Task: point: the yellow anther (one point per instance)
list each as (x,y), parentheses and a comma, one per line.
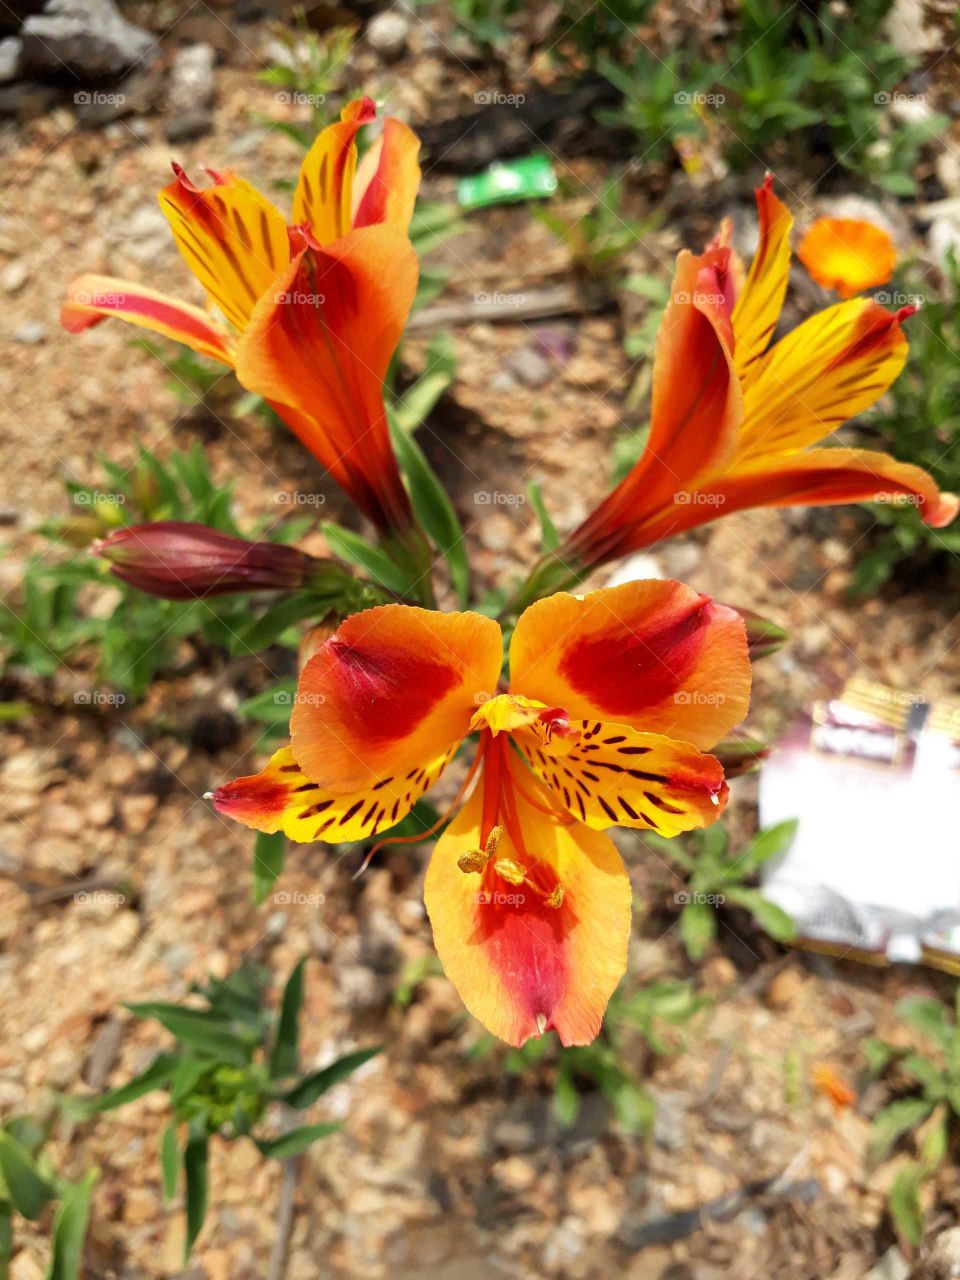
(473,860)
(493,841)
(510,871)
(556,898)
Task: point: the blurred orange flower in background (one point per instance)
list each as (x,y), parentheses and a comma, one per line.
(847,255)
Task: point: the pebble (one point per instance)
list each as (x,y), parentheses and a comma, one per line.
(14,276)
(387,33)
(529,367)
(11,54)
(30,334)
(137,812)
(191,93)
(88,37)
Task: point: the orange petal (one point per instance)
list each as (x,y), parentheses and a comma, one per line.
(657,656)
(283,798)
(394,688)
(93,298)
(824,372)
(320,342)
(696,412)
(231,237)
(324,195)
(759,305)
(388,178)
(847,255)
(611,775)
(825,477)
(521,966)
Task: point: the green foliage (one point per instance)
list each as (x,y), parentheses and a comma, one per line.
(309,72)
(597,239)
(648,1018)
(54,623)
(29,1184)
(918,421)
(928,1108)
(824,80)
(715,876)
(232,1060)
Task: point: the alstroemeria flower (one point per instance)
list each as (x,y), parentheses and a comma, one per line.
(612,702)
(734,421)
(309,314)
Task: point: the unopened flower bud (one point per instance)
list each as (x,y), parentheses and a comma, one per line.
(740,755)
(763,636)
(178,560)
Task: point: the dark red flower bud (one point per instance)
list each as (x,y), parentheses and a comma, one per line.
(178,560)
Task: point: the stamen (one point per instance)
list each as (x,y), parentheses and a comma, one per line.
(555,899)
(473,860)
(510,871)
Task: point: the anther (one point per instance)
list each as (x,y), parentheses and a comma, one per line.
(473,860)
(493,841)
(510,871)
(555,898)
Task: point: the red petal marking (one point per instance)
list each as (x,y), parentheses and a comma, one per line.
(627,670)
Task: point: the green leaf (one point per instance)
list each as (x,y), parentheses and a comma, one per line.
(28,1191)
(417,402)
(566,1097)
(203,1032)
(269,853)
(933,1150)
(892,1122)
(156,1076)
(6,1237)
(195,1169)
(878,1055)
(549,538)
(270,626)
(351,547)
(905,1202)
(70,1228)
(928,1016)
(284,1060)
(771,918)
(311,1087)
(698,928)
(766,843)
(170,1160)
(189,1073)
(296,1141)
(434,510)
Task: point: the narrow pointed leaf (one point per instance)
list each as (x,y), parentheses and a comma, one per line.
(170,1161)
(202,1031)
(70,1229)
(549,538)
(195,1169)
(156,1076)
(434,510)
(284,1060)
(296,1141)
(269,853)
(313,1086)
(25,1187)
(351,547)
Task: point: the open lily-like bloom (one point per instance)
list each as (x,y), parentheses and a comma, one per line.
(612,702)
(733,419)
(309,314)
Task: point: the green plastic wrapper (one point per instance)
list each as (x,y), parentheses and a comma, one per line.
(531,178)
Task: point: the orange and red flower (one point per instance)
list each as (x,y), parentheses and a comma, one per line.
(734,419)
(847,255)
(613,700)
(309,314)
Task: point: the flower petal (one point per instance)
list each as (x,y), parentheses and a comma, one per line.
(92,298)
(847,255)
(825,477)
(696,412)
(611,775)
(282,798)
(392,689)
(320,342)
(759,305)
(521,966)
(324,195)
(388,178)
(231,237)
(827,370)
(654,655)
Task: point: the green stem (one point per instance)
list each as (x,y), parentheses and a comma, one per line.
(549,575)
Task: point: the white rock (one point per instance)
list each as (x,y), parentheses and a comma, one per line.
(387,33)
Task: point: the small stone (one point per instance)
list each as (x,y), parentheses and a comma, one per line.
(30,334)
(529,367)
(784,989)
(137,813)
(14,276)
(90,38)
(190,99)
(140,1205)
(515,1173)
(387,34)
(11,55)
